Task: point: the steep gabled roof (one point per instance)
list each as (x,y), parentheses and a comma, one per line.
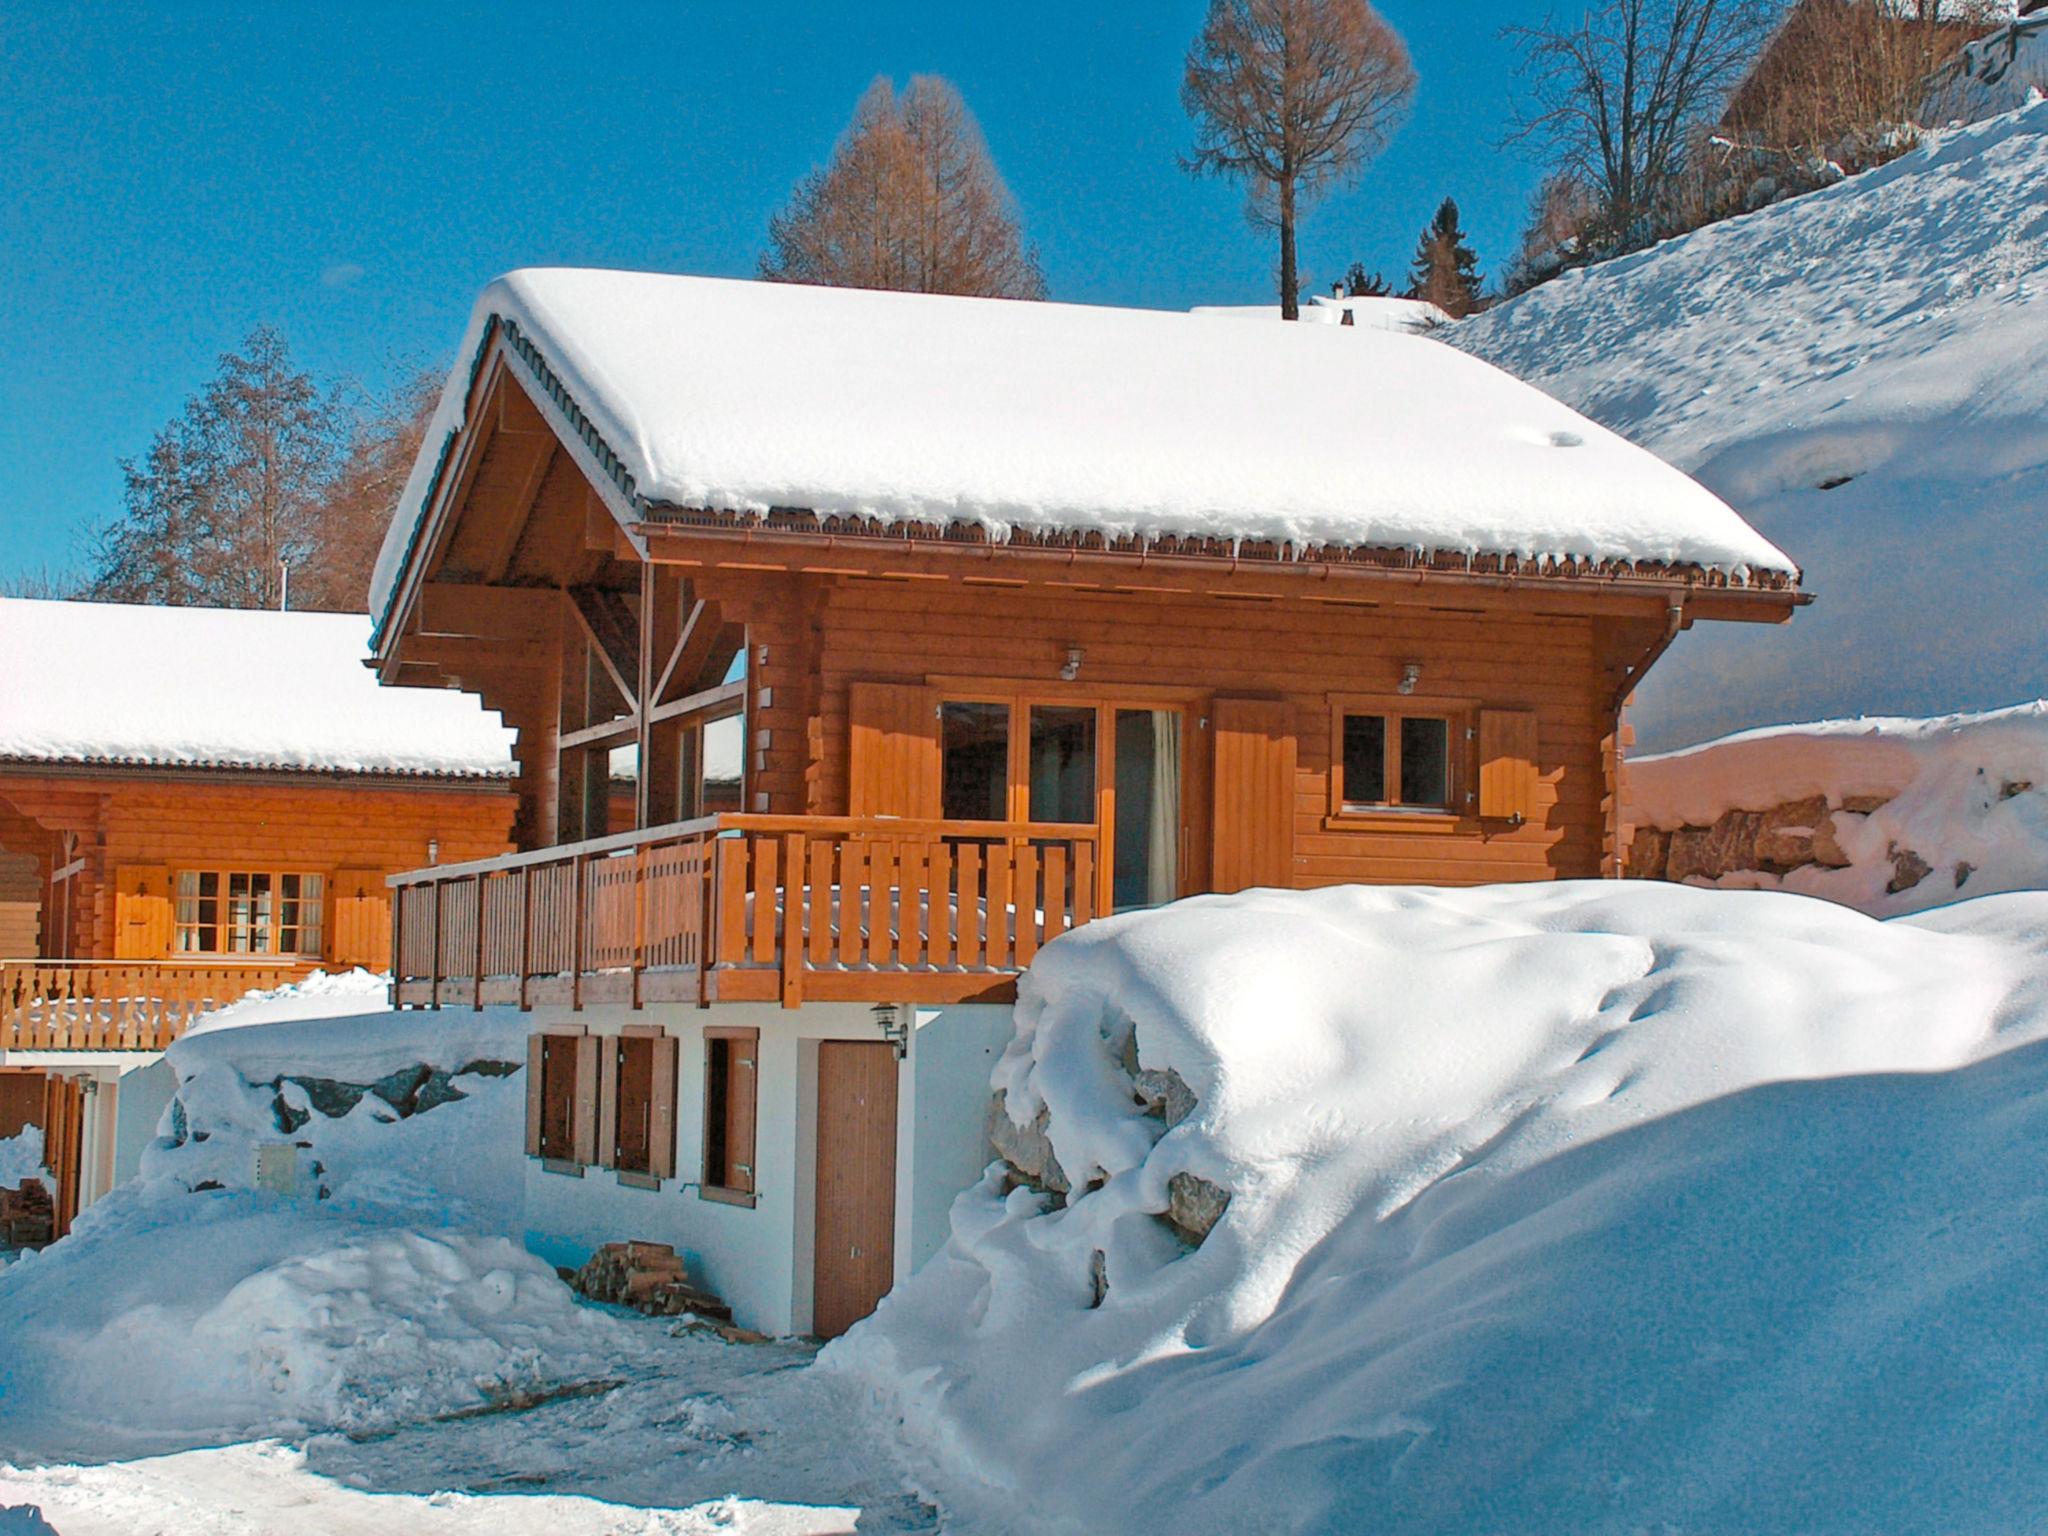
(110,684)
(1011,418)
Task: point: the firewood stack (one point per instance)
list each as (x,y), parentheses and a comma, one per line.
(647,1277)
(28,1216)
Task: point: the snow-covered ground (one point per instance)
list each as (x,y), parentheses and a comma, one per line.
(363,1344)
(1583,1207)
(1860,372)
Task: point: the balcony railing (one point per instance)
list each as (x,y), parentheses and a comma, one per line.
(746,908)
(121,1005)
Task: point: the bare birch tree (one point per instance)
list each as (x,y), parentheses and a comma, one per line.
(910,200)
(1292,97)
(1613,98)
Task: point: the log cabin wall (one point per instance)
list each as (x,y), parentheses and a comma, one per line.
(143,829)
(815,637)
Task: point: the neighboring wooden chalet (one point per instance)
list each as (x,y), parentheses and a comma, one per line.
(197,802)
(1011,616)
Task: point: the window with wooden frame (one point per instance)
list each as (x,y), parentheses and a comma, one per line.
(250,912)
(731,1111)
(1400,757)
(637,1138)
(562,1099)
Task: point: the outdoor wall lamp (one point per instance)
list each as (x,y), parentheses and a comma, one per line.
(1071,669)
(895,1028)
(433,850)
(1410,676)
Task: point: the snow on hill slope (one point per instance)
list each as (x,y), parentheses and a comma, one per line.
(1863,373)
(1576,1208)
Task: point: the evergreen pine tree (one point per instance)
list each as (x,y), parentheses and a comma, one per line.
(1446,270)
(1361,284)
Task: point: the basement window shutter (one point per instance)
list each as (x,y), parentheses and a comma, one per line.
(143,926)
(536,1047)
(1253,749)
(585,1132)
(661,1149)
(1507,764)
(893,751)
(731,1083)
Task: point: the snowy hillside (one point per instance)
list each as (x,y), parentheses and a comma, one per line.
(1568,1208)
(1863,373)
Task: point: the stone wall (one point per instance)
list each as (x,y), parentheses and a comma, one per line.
(1796,834)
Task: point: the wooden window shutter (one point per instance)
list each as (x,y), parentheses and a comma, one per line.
(359,919)
(742,1092)
(661,1133)
(144,925)
(535,1045)
(1507,764)
(585,1137)
(607,1104)
(1253,793)
(893,766)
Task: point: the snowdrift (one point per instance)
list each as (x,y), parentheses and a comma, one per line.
(1884,815)
(1573,1208)
(374,1280)
(1858,371)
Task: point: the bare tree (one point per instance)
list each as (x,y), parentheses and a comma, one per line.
(1840,73)
(1614,98)
(384,439)
(1559,215)
(47,581)
(1292,97)
(911,200)
(230,492)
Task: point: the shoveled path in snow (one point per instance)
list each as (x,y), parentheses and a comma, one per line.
(699,1436)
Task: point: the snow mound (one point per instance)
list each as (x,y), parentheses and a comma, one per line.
(322,995)
(1967,795)
(169,1319)
(21,1158)
(232,688)
(1058,418)
(1408,317)
(1858,371)
(1552,1208)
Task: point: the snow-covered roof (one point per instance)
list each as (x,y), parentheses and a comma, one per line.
(114,683)
(746,397)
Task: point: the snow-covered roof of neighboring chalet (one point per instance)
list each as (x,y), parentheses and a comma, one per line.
(748,397)
(1378,312)
(117,684)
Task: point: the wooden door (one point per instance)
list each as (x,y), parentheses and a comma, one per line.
(855,1260)
(64,1145)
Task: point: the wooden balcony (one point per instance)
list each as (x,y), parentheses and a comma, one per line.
(121,1005)
(747,908)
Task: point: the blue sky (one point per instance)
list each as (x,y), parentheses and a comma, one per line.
(354,174)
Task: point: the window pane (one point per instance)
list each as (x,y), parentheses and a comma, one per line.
(974,746)
(1147,868)
(1365,759)
(1425,762)
(1062,763)
(723,759)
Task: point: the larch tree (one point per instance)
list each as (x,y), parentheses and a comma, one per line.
(911,200)
(1292,97)
(1446,270)
(384,439)
(1613,100)
(231,492)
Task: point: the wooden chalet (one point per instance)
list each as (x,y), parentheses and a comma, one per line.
(935,628)
(195,803)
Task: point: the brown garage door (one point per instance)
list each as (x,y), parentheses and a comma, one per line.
(856,1245)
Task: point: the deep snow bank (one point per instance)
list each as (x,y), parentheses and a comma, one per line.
(374,1283)
(21,1157)
(1575,1207)
(1884,815)
(1859,372)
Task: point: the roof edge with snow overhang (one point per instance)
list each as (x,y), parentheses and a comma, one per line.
(990,457)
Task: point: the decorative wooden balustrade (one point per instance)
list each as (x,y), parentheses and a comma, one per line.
(120,1005)
(747,908)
